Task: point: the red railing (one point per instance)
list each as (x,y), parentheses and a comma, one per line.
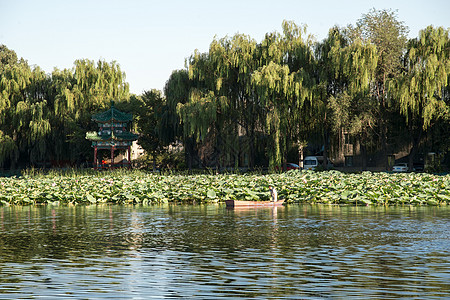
(104,166)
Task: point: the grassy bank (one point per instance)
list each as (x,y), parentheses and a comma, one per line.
(87,187)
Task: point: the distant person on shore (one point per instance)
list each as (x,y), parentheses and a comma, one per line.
(273,194)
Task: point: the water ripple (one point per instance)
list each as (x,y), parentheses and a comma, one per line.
(205,252)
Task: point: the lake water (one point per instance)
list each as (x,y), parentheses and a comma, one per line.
(209,252)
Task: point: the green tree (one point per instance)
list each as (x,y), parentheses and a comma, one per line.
(86,89)
(221,110)
(8,57)
(345,70)
(150,110)
(196,113)
(389,35)
(233,60)
(176,90)
(283,84)
(45,117)
(24,114)
(177,93)
(421,91)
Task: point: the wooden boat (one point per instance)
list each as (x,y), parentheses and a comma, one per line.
(244,203)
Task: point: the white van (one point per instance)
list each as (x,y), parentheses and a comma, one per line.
(310,163)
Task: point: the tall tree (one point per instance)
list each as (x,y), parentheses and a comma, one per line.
(7,57)
(24,114)
(233,61)
(148,122)
(12,81)
(177,91)
(421,90)
(345,69)
(222,104)
(86,89)
(389,35)
(283,84)
(198,113)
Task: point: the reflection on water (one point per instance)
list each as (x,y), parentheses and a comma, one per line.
(209,252)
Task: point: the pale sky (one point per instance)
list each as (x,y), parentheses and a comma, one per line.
(149,39)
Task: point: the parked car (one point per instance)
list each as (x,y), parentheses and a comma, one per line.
(291,166)
(310,163)
(400,167)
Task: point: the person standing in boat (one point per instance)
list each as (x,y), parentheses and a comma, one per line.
(273,194)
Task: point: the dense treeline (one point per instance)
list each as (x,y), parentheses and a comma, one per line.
(45,117)
(246,102)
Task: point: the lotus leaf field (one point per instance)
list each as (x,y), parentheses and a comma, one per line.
(136,187)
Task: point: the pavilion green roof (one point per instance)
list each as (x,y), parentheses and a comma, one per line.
(113,114)
(123,136)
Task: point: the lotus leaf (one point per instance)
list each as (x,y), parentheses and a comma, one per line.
(295,186)
(211,194)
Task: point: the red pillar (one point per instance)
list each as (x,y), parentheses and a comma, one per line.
(112,156)
(129,156)
(95,158)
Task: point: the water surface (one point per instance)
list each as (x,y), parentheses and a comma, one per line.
(208,251)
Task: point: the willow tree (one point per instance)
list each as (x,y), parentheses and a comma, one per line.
(328,86)
(198,113)
(300,58)
(275,85)
(80,92)
(13,80)
(201,120)
(222,107)
(346,68)
(64,110)
(176,91)
(283,84)
(8,57)
(24,114)
(11,84)
(421,90)
(15,77)
(37,116)
(233,61)
(96,85)
(389,35)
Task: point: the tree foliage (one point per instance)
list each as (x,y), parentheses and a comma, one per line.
(382,29)
(44,117)
(421,89)
(245,102)
(150,108)
(289,88)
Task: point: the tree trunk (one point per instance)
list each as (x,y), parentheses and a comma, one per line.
(188,153)
(325,150)
(384,149)
(415,141)
(154,161)
(251,161)
(363,156)
(300,154)
(383,126)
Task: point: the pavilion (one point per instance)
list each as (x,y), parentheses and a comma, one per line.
(112,135)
